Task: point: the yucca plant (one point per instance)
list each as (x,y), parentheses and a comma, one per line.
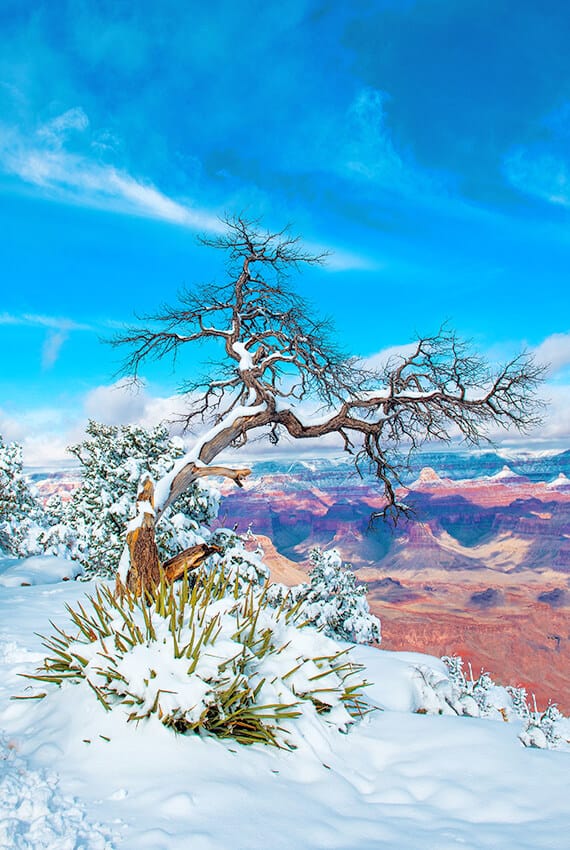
(205,657)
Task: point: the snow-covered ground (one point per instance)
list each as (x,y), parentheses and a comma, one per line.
(39,569)
(73,776)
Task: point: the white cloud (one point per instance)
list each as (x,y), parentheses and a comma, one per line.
(11,427)
(556,427)
(45,432)
(123,403)
(554,432)
(555,351)
(392,354)
(114,404)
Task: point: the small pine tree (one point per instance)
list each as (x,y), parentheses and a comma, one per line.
(336,603)
(550,722)
(21,514)
(519,698)
(454,664)
(331,601)
(243,564)
(113,460)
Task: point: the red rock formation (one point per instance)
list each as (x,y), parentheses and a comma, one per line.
(466,575)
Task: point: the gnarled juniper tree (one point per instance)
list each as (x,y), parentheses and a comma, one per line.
(276,354)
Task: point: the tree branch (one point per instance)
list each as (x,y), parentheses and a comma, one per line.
(276,351)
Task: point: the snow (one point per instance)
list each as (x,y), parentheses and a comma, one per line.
(245,358)
(34,813)
(39,569)
(74,776)
(162,490)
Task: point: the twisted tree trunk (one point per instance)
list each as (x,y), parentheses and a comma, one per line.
(144,568)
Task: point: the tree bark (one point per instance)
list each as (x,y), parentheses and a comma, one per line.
(144,570)
(191,472)
(144,563)
(187,560)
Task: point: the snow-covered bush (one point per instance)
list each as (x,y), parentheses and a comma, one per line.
(549,730)
(450,691)
(21,515)
(332,601)
(91,526)
(205,657)
(241,564)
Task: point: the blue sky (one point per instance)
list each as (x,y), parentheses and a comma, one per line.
(425,144)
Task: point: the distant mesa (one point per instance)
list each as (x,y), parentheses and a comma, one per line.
(486,598)
(506,476)
(555,598)
(391,590)
(428,474)
(428,478)
(562,482)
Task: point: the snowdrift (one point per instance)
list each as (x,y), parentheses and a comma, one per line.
(73,775)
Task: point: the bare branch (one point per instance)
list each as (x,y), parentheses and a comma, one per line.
(275,352)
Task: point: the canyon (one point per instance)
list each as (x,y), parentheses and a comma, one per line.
(481,568)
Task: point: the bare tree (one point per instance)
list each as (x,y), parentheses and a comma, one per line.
(277,356)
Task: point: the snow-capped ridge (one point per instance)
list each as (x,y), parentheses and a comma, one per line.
(560,482)
(428,477)
(505,474)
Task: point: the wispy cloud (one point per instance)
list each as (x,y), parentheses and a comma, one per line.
(38,320)
(52,347)
(368,150)
(44,160)
(543,175)
(339,259)
(55,132)
(58,329)
(371,151)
